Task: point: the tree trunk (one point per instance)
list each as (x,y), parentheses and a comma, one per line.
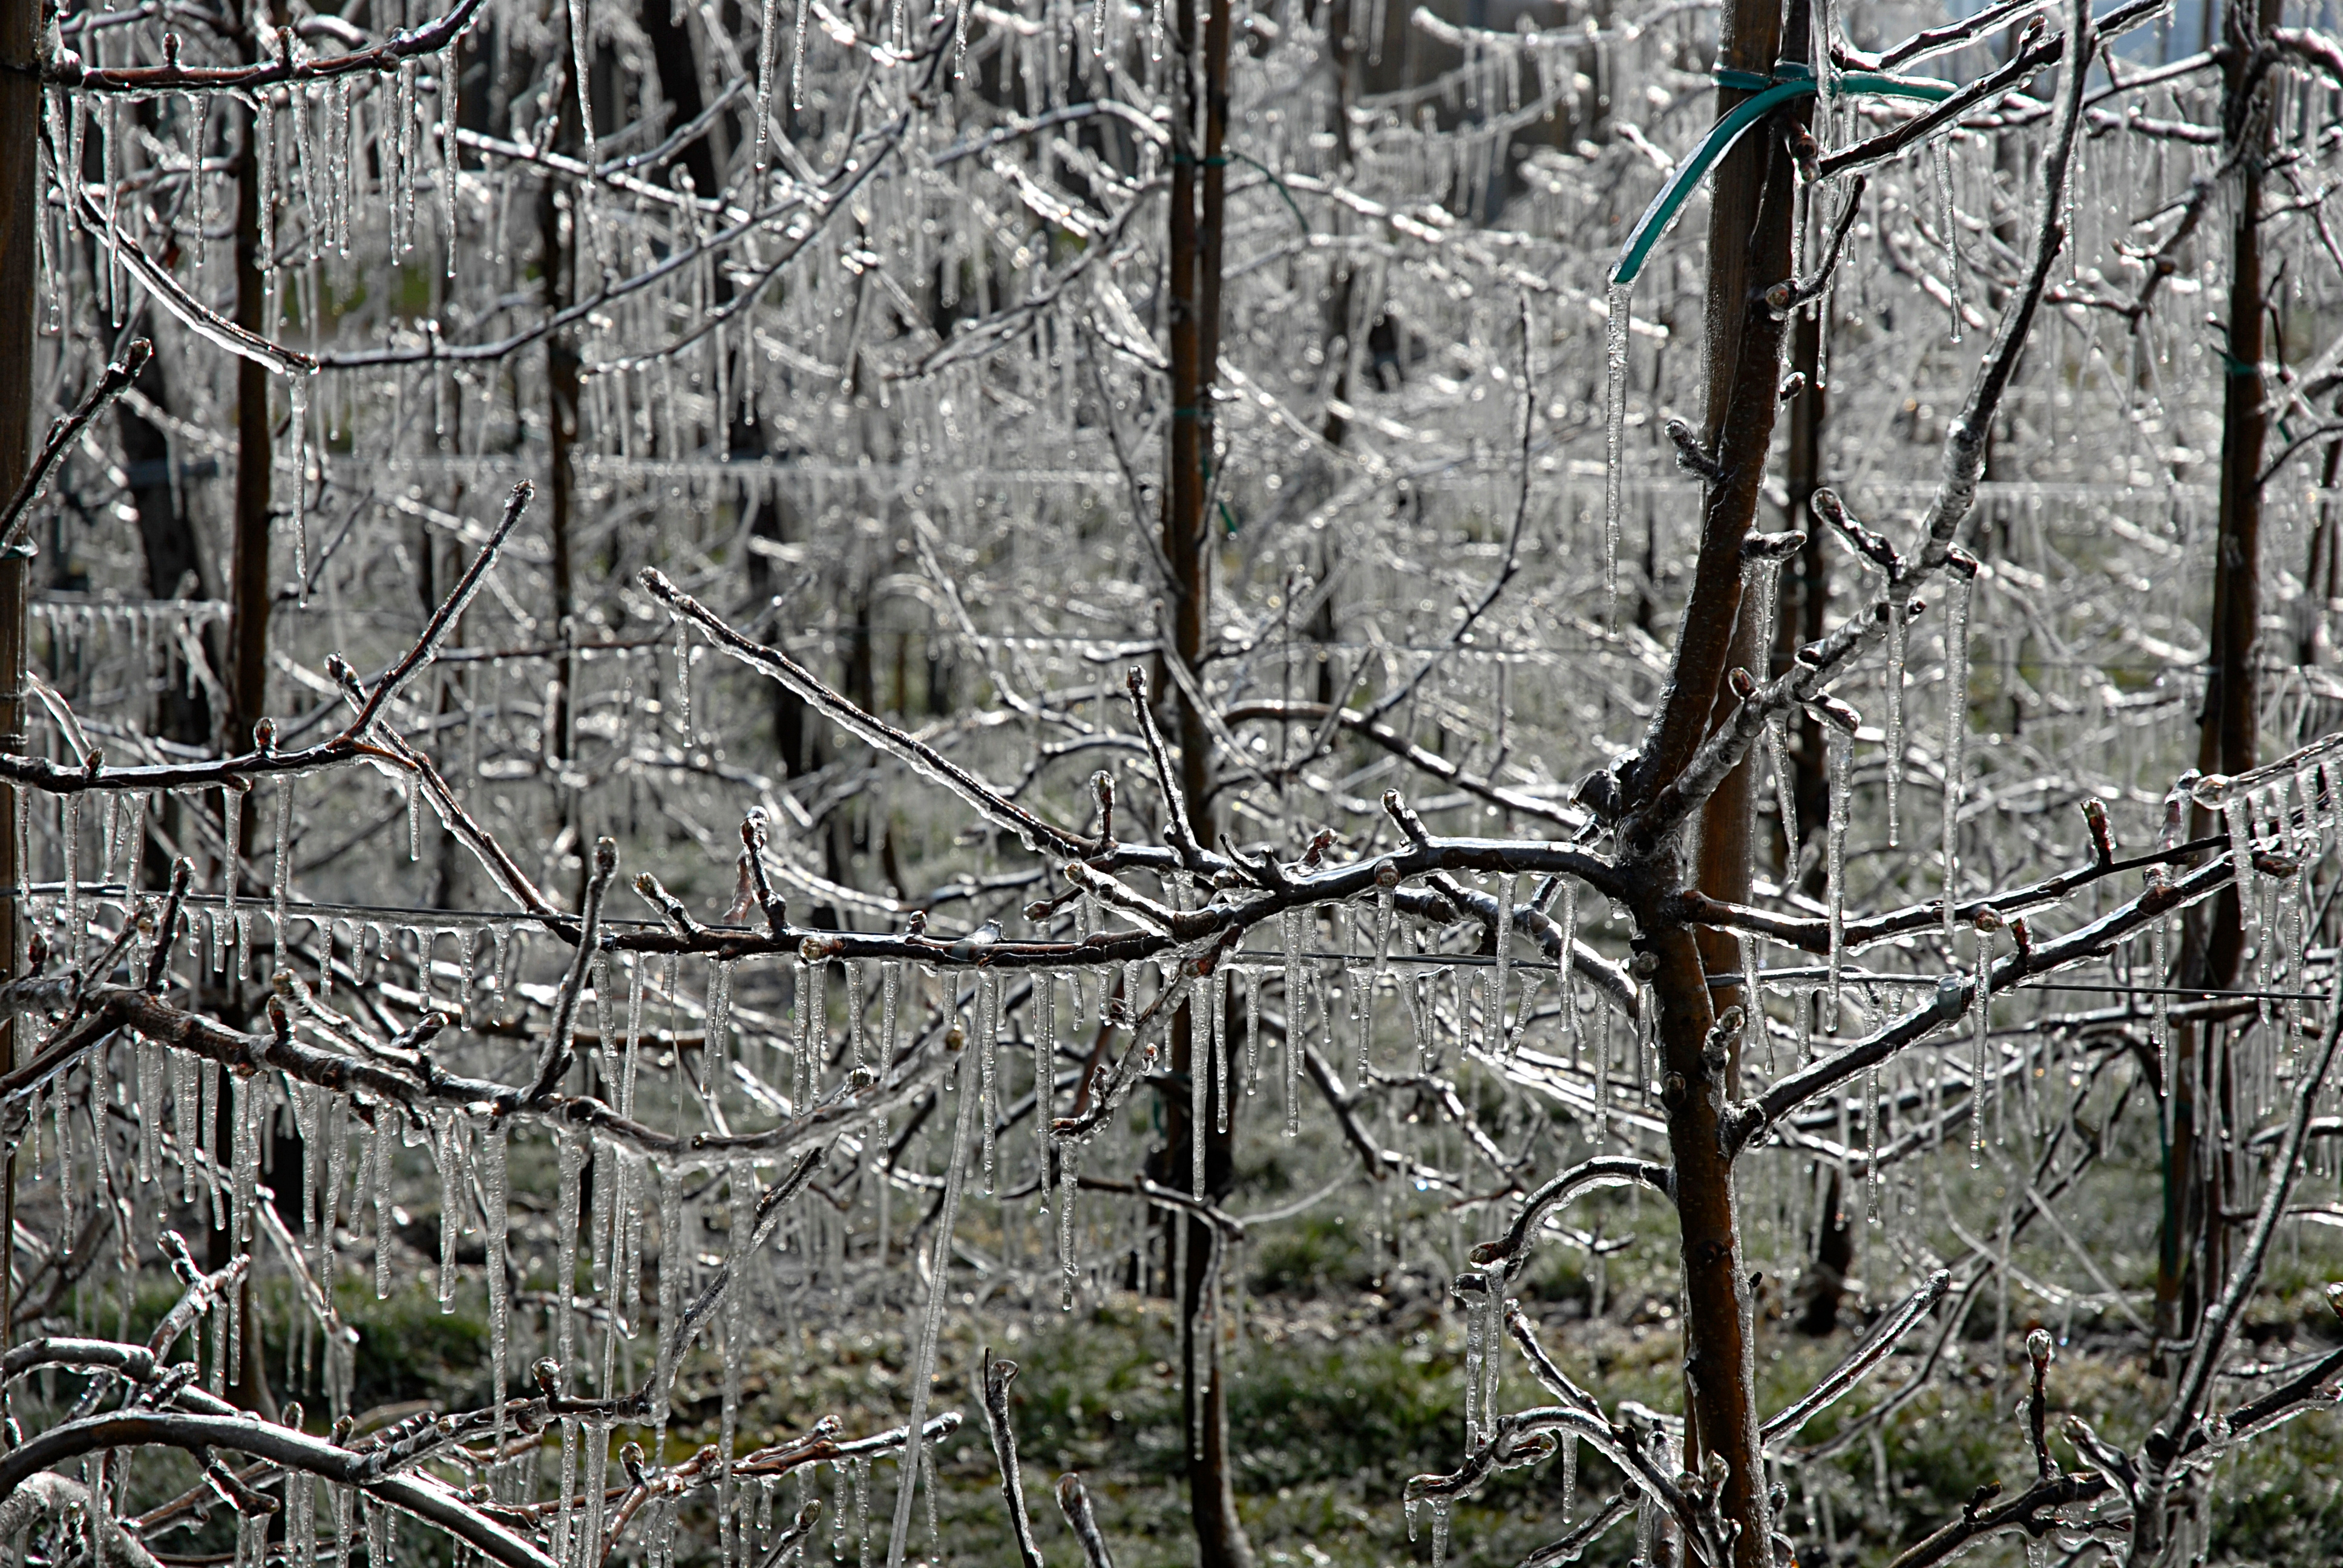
(250,591)
(174,564)
(20,216)
(2192,1255)
(1193,295)
(248,583)
(558,241)
(1804,595)
(1749,250)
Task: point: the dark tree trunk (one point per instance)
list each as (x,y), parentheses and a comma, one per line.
(1805,592)
(1193,291)
(174,569)
(1825,1286)
(1748,251)
(20,217)
(558,241)
(2192,1256)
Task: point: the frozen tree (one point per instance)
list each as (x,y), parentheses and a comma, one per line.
(1122,586)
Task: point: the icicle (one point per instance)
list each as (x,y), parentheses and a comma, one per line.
(1569,1475)
(1439,1507)
(444,1155)
(297,395)
(2160,958)
(184,1128)
(683,681)
(386,1140)
(149,1059)
(890,988)
(280,885)
(715,1056)
(1818,50)
(1839,760)
(855,995)
(988,1046)
(1069,1272)
(1200,1053)
(1614,430)
(1475,1351)
(769,40)
(596,1437)
(337,1171)
(302,1527)
(1220,1084)
(1045,1076)
(414,817)
(402,160)
(797,57)
(923,1367)
(1252,1030)
(675,1252)
(570,1159)
(1981,1064)
(450,166)
(1871,1143)
(1509,892)
(1568,978)
(1291,924)
(1941,150)
(861,1468)
(741,1185)
(1900,635)
(1956,730)
(69,815)
(244,1116)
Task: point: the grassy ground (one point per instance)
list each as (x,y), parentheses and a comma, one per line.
(1344,1385)
(1347,1379)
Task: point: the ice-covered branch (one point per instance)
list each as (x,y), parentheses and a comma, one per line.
(239,1432)
(1954,994)
(1510,1250)
(922,758)
(997,1376)
(1860,1362)
(112,384)
(406,44)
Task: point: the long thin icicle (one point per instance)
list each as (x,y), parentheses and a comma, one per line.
(923,1365)
(1840,761)
(1615,431)
(1957,732)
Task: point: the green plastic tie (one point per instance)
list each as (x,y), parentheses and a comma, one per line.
(1789,80)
